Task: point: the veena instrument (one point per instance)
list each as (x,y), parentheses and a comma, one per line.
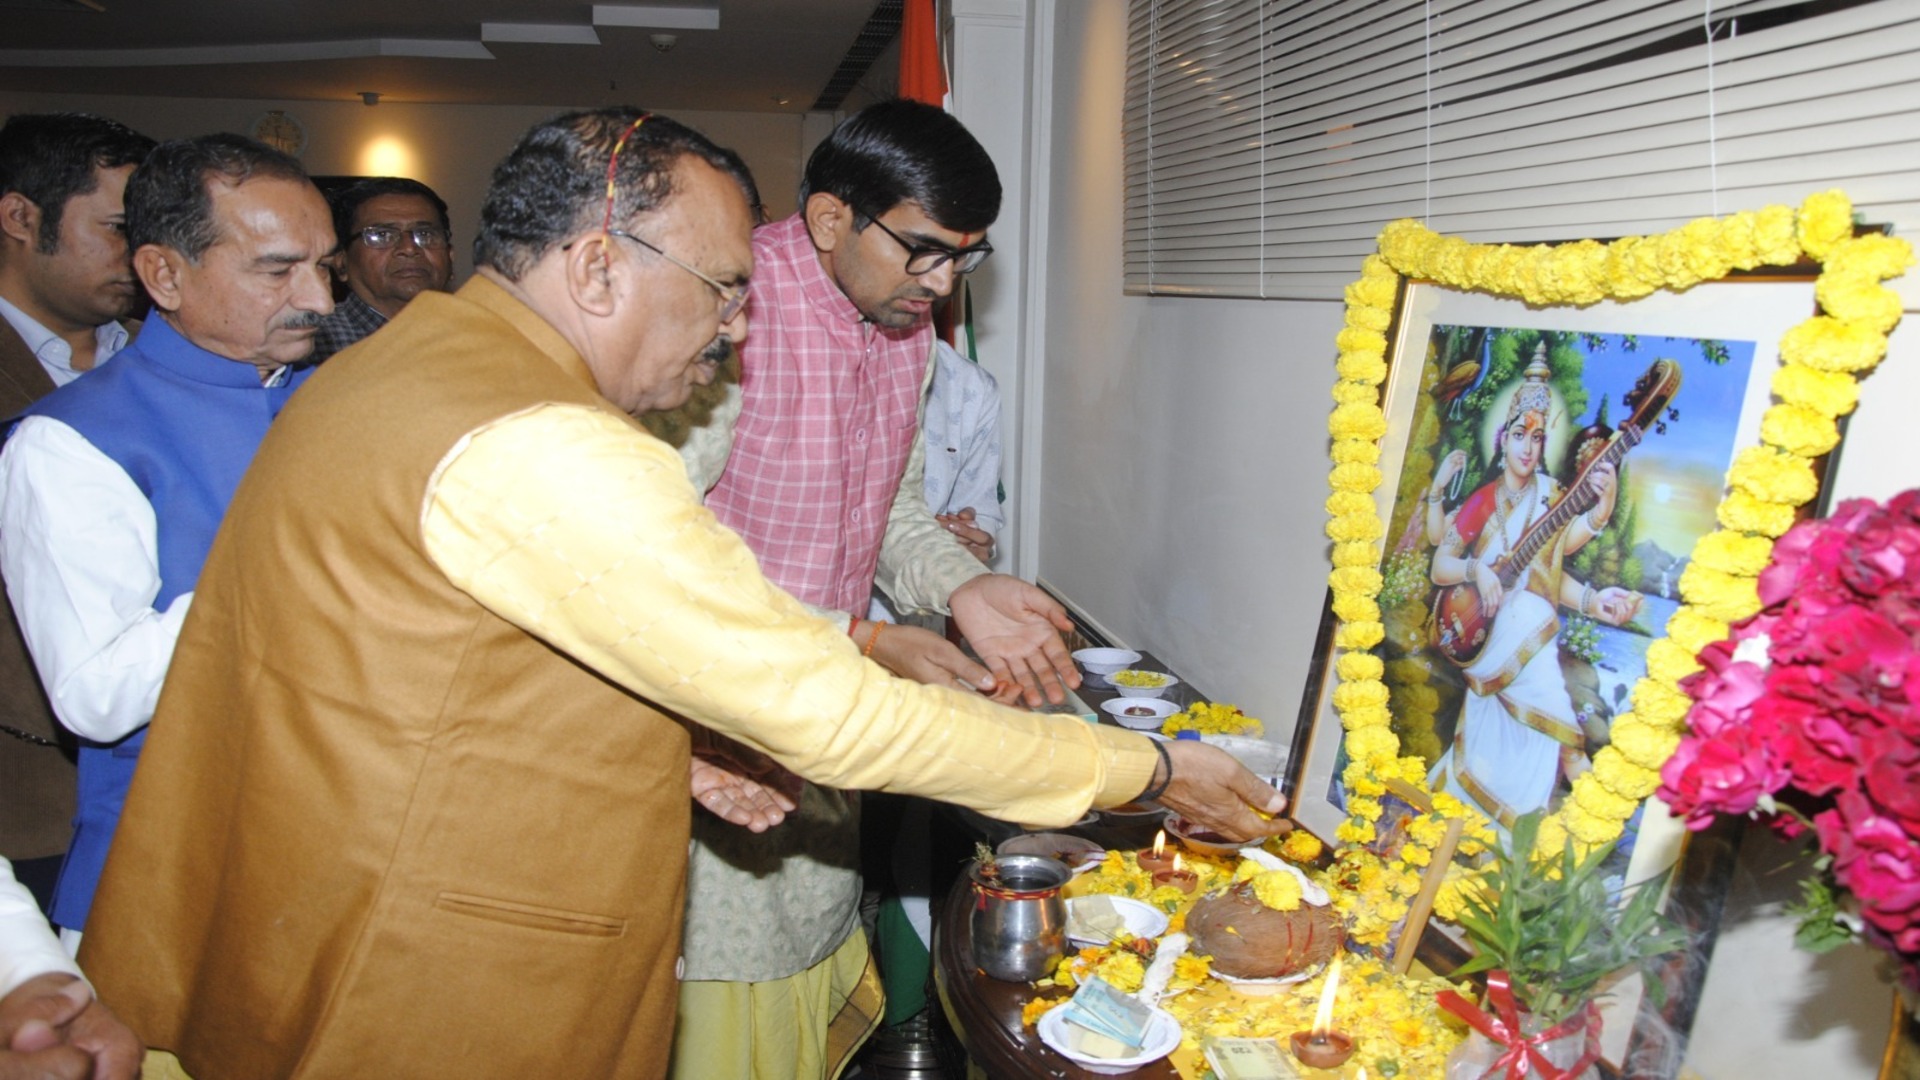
(1460,624)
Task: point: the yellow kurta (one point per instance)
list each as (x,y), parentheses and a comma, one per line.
(415,799)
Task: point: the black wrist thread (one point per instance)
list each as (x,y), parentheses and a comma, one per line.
(1154,791)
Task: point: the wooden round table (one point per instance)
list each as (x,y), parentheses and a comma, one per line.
(985,1012)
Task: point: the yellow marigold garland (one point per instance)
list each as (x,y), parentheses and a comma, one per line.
(1821,361)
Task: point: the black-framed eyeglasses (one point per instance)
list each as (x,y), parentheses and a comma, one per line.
(732,297)
(926,258)
(381,237)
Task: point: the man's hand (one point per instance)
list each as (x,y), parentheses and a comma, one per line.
(51,1027)
(1015,627)
(976,540)
(925,657)
(1214,791)
(741,786)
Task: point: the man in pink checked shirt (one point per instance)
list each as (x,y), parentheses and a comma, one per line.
(824,483)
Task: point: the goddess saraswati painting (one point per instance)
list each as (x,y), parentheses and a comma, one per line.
(1551,485)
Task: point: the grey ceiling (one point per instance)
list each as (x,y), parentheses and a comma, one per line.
(764,51)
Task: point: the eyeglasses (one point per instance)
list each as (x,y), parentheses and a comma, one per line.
(926,258)
(732,297)
(381,237)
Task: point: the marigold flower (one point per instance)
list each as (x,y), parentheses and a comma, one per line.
(1353,667)
(1356,553)
(1623,777)
(1354,527)
(1669,662)
(1363,367)
(1742,512)
(1859,300)
(1773,476)
(1642,743)
(1358,636)
(1355,476)
(1301,846)
(1825,219)
(1830,344)
(1718,594)
(1799,430)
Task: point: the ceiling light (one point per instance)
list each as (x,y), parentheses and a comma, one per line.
(658,16)
(369,98)
(664,42)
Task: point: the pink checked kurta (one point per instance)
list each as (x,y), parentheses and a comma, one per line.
(823,436)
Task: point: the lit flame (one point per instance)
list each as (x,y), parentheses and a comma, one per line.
(1177,867)
(1323,1017)
(1160,844)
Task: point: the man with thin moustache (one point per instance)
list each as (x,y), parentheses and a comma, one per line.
(394,245)
(111,488)
(66,286)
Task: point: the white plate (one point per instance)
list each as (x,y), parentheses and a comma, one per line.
(1163,1035)
(1143,920)
(1263,987)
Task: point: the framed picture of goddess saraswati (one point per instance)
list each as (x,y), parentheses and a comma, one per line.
(1546,474)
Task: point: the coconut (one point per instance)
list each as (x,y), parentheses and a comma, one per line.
(1249,940)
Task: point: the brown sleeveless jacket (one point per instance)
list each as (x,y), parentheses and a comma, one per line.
(377,830)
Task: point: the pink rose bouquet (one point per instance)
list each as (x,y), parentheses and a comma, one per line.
(1811,714)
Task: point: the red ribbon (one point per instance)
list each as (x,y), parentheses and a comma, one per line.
(1523,1050)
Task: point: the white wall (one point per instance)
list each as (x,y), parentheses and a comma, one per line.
(450,148)
(1180,488)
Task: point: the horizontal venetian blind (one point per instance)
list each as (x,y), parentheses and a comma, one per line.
(1267,141)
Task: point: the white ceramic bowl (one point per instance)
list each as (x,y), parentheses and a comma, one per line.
(1124,712)
(1105,661)
(1163,1035)
(1166,682)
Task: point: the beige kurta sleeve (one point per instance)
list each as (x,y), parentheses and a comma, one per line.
(921,563)
(584,532)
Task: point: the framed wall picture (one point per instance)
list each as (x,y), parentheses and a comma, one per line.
(1563,462)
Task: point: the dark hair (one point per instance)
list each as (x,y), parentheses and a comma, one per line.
(169,197)
(51,157)
(904,151)
(553,185)
(347,201)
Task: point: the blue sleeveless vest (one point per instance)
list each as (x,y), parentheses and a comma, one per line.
(184,423)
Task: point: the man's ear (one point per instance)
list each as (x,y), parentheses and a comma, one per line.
(20,219)
(829,220)
(160,270)
(589,273)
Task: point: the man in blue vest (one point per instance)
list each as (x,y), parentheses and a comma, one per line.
(113,486)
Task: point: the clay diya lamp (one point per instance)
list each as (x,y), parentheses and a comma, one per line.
(1177,876)
(1157,857)
(1322,1047)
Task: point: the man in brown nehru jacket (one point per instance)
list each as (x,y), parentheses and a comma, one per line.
(66,289)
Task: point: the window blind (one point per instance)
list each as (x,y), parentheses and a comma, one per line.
(1267,141)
